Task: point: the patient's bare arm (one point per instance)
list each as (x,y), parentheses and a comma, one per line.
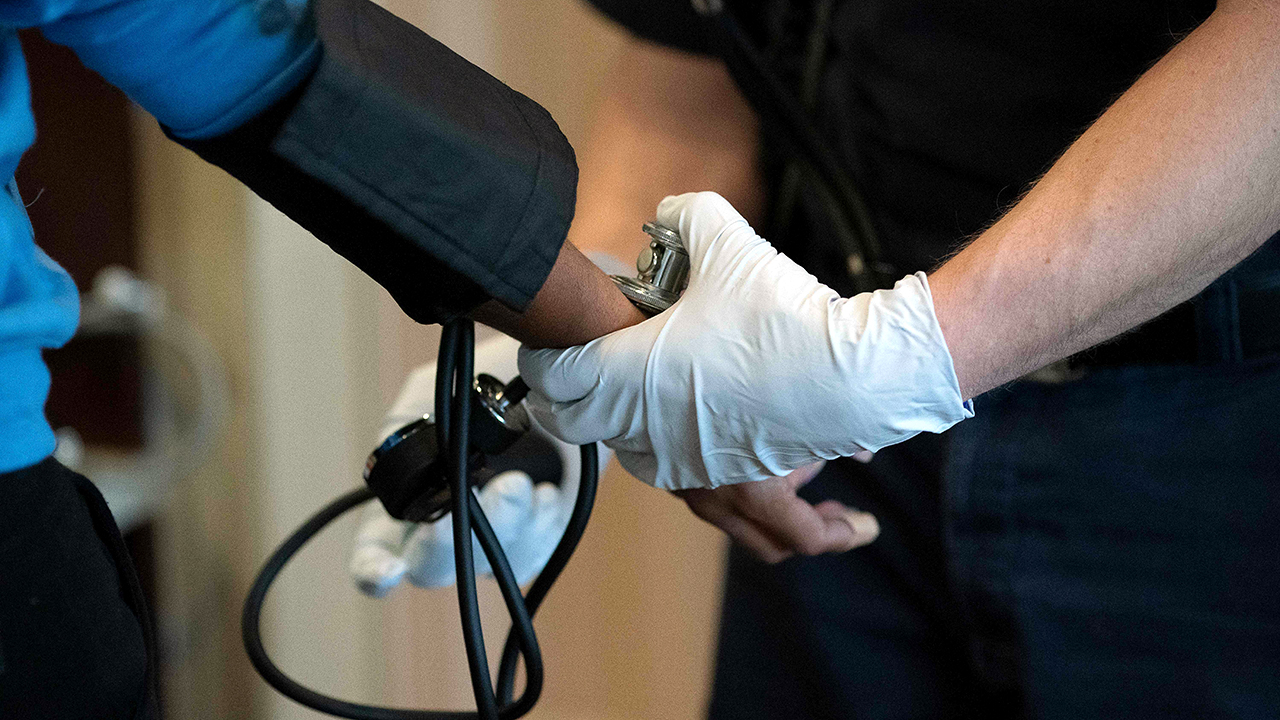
(576,304)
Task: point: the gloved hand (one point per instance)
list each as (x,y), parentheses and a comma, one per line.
(528,519)
(757,370)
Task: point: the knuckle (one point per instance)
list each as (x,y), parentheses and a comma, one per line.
(708,201)
(809,545)
(706,198)
(708,513)
(697,509)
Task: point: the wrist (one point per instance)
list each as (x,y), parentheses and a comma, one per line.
(897,370)
(954,324)
(577,303)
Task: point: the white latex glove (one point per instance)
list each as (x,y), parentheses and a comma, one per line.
(757,370)
(528,520)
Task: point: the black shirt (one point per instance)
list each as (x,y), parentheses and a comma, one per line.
(944,111)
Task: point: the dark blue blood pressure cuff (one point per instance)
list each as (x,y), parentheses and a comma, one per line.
(441,183)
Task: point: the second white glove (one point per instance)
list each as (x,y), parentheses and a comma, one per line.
(757,370)
(528,519)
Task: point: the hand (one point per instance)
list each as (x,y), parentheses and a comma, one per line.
(771,521)
(757,370)
(528,519)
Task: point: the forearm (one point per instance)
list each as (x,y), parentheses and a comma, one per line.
(1170,188)
(576,304)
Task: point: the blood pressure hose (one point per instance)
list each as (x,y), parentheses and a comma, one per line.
(419,477)
(453,409)
(663,270)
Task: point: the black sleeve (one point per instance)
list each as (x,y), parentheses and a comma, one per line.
(444,185)
(673,23)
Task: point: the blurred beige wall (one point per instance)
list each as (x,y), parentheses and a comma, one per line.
(315,352)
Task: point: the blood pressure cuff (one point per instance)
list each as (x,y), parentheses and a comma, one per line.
(441,183)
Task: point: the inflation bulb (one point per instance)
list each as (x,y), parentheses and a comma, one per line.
(427,469)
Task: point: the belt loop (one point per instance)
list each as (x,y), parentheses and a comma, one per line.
(1218,323)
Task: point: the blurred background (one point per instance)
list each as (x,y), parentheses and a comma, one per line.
(255,395)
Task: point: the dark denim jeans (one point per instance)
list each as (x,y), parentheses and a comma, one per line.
(1102,548)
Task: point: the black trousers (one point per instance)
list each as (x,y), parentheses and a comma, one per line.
(75,641)
(1096,549)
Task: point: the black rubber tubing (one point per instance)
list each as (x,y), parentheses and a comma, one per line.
(453,385)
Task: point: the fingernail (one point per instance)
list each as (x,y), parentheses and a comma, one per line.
(864,525)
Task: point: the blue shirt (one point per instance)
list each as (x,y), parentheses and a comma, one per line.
(201,67)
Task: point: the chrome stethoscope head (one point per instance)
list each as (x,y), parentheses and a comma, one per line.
(663,271)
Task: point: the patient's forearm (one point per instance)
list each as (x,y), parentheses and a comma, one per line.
(1171,187)
(576,304)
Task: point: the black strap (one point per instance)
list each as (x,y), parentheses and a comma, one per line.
(774,104)
(815,56)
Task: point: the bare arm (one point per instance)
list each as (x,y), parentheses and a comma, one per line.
(576,304)
(1171,187)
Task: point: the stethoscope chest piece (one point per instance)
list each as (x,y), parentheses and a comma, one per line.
(662,271)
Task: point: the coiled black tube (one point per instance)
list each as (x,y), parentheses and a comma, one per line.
(454,372)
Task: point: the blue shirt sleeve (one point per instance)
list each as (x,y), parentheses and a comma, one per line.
(201,67)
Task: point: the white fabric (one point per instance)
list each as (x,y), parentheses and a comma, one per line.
(757,370)
(528,520)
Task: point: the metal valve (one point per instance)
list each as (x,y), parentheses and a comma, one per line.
(663,271)
(407,473)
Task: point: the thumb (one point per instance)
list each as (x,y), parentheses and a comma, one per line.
(508,502)
(702,219)
(376,565)
(561,375)
(861,527)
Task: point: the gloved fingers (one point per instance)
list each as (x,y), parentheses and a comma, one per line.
(600,416)
(376,565)
(570,459)
(429,554)
(561,375)
(604,454)
(508,503)
(701,218)
(548,514)
(642,466)
(506,500)
(375,570)
(540,535)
